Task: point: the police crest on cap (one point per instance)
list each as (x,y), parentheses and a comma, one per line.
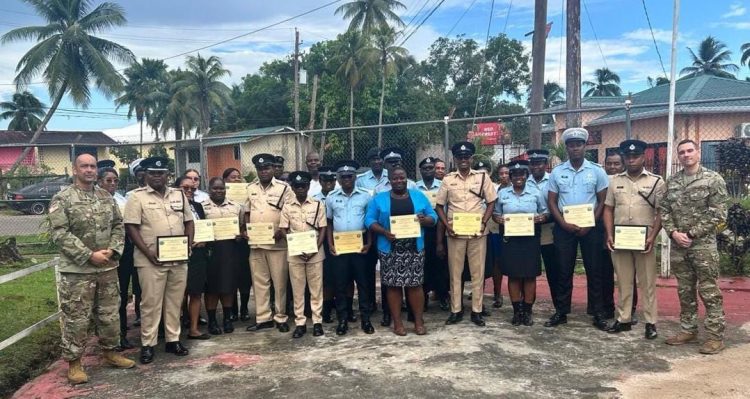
(299,178)
(260,159)
(632,147)
(463,147)
(157,163)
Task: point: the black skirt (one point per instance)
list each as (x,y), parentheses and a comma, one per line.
(521,256)
(223,268)
(197,270)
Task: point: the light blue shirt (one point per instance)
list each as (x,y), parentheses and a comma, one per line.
(577,187)
(347,211)
(385,186)
(542,186)
(368,181)
(435,185)
(529,201)
(322,197)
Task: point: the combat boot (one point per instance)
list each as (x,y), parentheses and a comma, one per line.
(76,375)
(116,360)
(712,347)
(681,338)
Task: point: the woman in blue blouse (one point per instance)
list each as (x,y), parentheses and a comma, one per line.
(401,260)
(521,254)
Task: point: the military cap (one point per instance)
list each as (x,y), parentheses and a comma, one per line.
(520,164)
(427,161)
(538,155)
(278,160)
(347,167)
(263,160)
(135,166)
(391,153)
(326,173)
(575,133)
(105,163)
(482,164)
(636,147)
(299,178)
(155,163)
(374,152)
(463,148)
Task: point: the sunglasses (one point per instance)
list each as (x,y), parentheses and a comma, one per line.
(193,189)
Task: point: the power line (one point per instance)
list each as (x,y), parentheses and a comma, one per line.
(461,18)
(416,14)
(502,65)
(422,23)
(481,69)
(594,31)
(645,10)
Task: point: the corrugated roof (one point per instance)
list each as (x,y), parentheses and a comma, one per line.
(51,137)
(592,102)
(213,140)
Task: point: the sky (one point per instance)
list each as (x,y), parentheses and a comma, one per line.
(614,33)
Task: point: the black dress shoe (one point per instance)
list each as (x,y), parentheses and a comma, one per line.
(317,330)
(386,319)
(260,326)
(176,348)
(651,331)
(367,327)
(600,323)
(282,327)
(327,318)
(498,302)
(485,312)
(228,327)
(633,318)
(444,304)
(608,315)
(213,328)
(125,344)
(618,327)
(233,317)
(147,354)
(342,328)
(477,319)
(556,320)
(352,318)
(299,331)
(137,322)
(245,316)
(202,321)
(455,318)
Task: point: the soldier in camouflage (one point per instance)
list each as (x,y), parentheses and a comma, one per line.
(86,226)
(694,205)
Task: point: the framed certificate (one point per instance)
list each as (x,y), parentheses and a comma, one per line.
(579,215)
(406,226)
(632,238)
(260,234)
(226,228)
(204,230)
(518,224)
(467,224)
(237,192)
(347,242)
(172,248)
(546,236)
(305,242)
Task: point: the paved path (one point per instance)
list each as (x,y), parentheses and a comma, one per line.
(21,225)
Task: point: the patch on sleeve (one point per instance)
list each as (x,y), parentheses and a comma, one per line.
(53,206)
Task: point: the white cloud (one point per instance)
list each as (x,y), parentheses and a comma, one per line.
(735,10)
(733,25)
(661,35)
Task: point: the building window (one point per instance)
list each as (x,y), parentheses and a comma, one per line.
(194,155)
(709,155)
(236,151)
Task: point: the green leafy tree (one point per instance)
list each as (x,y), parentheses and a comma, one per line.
(352,69)
(369,15)
(712,59)
(176,110)
(144,86)
(202,86)
(68,55)
(606,84)
(660,80)
(24,110)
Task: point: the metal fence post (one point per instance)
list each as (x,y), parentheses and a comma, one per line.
(204,162)
(446,139)
(628,128)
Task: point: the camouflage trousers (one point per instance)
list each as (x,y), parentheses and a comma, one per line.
(87,297)
(697,268)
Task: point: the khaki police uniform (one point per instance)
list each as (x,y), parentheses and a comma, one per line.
(635,202)
(163,285)
(268,263)
(309,215)
(469,194)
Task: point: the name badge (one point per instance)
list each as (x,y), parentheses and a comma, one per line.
(176,205)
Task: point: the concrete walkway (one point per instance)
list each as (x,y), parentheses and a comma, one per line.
(463,361)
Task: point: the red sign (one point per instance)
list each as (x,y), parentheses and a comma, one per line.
(490,133)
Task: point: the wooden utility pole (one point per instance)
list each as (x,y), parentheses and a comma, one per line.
(573,63)
(538,49)
(296,79)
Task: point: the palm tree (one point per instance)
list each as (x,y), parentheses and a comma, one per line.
(745,48)
(390,58)
(660,80)
(174,110)
(24,111)
(68,56)
(553,94)
(712,59)
(369,15)
(144,85)
(606,84)
(201,86)
(351,58)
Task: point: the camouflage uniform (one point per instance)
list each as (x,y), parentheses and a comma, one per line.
(82,222)
(696,205)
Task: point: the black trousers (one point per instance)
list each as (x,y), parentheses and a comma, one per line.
(552,269)
(608,284)
(436,276)
(126,273)
(566,249)
(372,263)
(350,267)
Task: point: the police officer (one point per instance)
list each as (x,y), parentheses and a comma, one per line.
(391,157)
(465,191)
(157,211)
(436,269)
(127,271)
(696,202)
(327,179)
(577,182)
(376,175)
(345,210)
(86,226)
(632,200)
(278,166)
(266,197)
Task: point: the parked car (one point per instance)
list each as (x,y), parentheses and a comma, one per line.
(34,199)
